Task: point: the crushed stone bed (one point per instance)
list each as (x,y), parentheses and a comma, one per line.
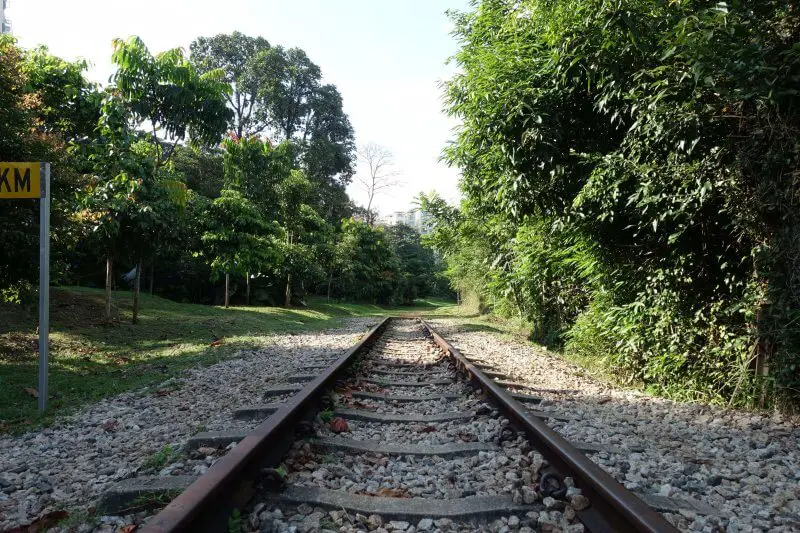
(745,464)
(71,463)
(486,473)
(474,468)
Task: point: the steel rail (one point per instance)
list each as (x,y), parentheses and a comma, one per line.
(613,507)
(207,503)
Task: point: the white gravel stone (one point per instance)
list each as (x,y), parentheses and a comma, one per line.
(79,459)
(742,463)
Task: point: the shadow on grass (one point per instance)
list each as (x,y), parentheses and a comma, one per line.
(92,359)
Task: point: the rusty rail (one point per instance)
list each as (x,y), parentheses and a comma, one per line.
(229,484)
(613,507)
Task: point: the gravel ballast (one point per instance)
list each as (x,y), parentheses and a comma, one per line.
(71,463)
(744,464)
(488,482)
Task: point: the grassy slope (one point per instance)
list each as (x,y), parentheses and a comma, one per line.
(91,359)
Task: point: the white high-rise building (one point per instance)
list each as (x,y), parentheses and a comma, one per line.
(414,219)
(5,24)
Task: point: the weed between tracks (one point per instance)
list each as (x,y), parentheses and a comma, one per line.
(166,455)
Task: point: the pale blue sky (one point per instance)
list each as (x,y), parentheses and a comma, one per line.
(386,57)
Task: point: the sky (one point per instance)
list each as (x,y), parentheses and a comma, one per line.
(387,57)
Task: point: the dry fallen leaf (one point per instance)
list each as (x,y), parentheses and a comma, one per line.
(217,342)
(130,528)
(30,391)
(428,429)
(339,425)
(110,425)
(393,493)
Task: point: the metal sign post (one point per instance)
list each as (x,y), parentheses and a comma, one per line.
(44,284)
(32,180)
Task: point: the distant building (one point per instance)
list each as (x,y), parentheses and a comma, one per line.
(5,24)
(414,219)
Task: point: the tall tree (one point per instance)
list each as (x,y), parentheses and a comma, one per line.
(291,83)
(165,94)
(279,92)
(380,174)
(236,240)
(45,104)
(328,152)
(235,55)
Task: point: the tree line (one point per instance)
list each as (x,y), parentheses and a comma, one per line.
(211,177)
(630,174)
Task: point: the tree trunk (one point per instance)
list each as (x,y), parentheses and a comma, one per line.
(763,354)
(227,288)
(288,294)
(152,274)
(109,278)
(369,209)
(247,291)
(330,280)
(136,290)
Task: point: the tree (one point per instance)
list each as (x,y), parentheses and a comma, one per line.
(608,151)
(291,83)
(69,103)
(236,240)
(201,169)
(380,174)
(369,268)
(40,96)
(235,55)
(166,94)
(257,170)
(294,212)
(279,93)
(418,265)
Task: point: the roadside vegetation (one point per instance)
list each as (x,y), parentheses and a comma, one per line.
(216,177)
(92,358)
(630,187)
(213,177)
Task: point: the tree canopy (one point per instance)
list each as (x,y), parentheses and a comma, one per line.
(184,172)
(627,177)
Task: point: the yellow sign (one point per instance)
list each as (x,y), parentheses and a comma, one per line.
(20,180)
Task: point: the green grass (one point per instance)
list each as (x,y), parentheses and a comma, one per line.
(162,458)
(92,359)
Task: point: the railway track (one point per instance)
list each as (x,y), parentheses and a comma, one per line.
(401,433)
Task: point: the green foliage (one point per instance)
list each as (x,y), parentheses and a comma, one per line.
(369,270)
(37,126)
(279,92)
(235,56)
(628,170)
(326,415)
(69,103)
(166,455)
(235,522)
(236,239)
(167,92)
(418,265)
